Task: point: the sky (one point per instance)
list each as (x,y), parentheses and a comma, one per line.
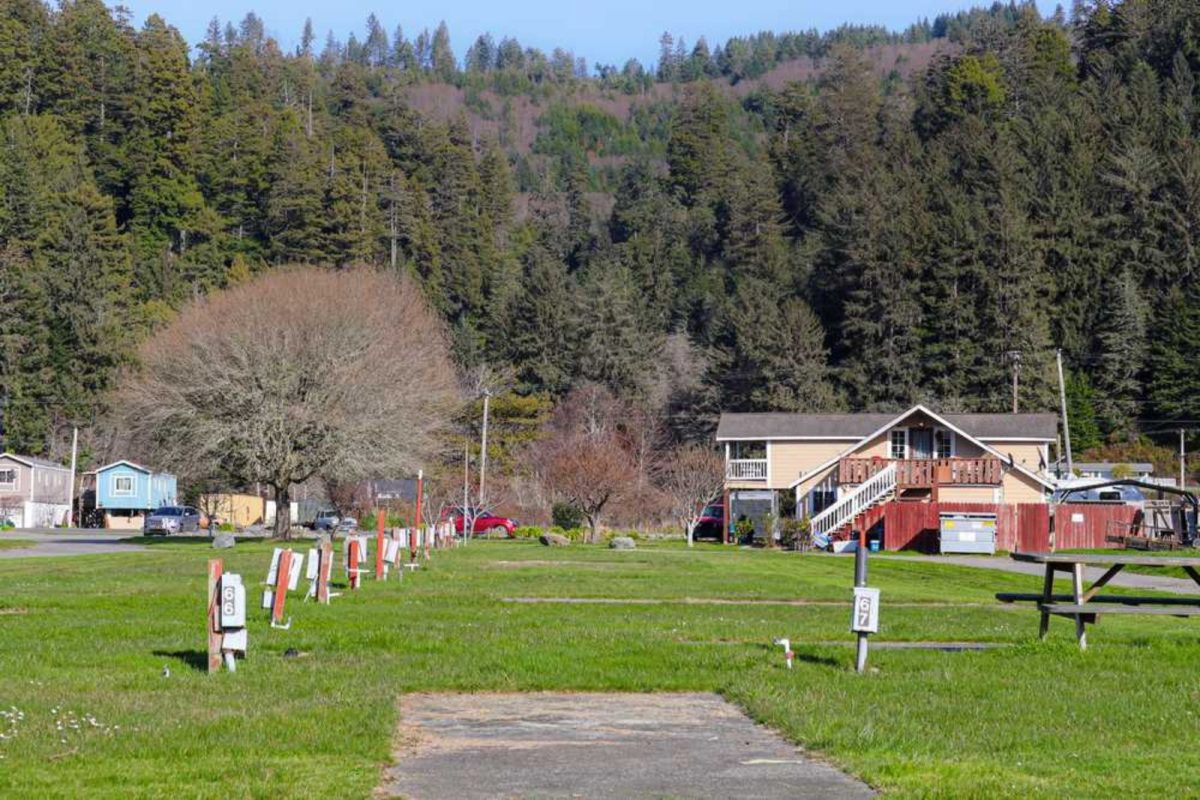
(607,32)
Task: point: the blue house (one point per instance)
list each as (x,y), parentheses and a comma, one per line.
(125,486)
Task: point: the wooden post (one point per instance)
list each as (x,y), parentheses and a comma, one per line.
(214,615)
(352,561)
(380,521)
(282,576)
(324,570)
(727,521)
(1047,598)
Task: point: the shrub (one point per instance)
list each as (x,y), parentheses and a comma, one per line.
(527,532)
(796,534)
(226,527)
(565,515)
(743,530)
(575,534)
(632,534)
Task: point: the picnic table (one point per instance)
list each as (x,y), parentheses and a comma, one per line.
(1085,605)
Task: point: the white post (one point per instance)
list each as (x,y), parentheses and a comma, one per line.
(71,492)
(1062,393)
(1182,462)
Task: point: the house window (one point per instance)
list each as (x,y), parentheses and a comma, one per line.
(122,486)
(749,450)
(900,443)
(8,479)
(943,443)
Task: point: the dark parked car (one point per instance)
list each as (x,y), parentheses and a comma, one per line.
(485,522)
(711,524)
(171,519)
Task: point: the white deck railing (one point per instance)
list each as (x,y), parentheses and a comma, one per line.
(866,495)
(746,469)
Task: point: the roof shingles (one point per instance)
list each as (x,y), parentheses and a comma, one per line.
(776,425)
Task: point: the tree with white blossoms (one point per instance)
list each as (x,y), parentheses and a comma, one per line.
(304,372)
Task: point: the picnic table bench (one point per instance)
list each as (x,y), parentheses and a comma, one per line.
(1085,605)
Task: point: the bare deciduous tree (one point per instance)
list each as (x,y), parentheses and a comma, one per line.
(303,372)
(690,477)
(584,460)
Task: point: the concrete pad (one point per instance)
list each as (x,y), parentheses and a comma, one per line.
(550,745)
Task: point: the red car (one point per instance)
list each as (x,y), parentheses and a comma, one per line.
(711,524)
(485,522)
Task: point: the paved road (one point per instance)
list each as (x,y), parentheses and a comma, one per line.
(628,746)
(1129,580)
(80,543)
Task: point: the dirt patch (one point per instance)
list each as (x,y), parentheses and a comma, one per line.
(554,745)
(7,612)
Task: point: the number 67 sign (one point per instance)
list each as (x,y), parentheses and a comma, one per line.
(865,615)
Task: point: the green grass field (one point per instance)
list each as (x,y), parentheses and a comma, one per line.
(88,713)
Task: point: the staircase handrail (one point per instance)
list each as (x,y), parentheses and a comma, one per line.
(850,506)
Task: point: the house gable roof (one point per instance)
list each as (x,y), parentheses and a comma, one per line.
(944,420)
(130,464)
(34,461)
(783,426)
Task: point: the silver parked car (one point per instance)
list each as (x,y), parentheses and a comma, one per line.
(171,519)
(330,521)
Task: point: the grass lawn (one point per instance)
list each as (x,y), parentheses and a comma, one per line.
(83,642)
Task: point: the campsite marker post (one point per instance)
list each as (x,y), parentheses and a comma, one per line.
(380,521)
(864,615)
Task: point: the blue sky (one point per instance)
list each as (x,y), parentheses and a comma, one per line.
(608,31)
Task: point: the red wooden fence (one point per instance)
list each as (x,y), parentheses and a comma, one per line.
(1019,526)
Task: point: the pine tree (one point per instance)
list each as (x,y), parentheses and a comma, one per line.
(1174,382)
(1121,353)
(542,337)
(619,346)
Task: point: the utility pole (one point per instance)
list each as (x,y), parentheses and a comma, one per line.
(487,395)
(1062,393)
(462,515)
(1182,462)
(75,455)
(1015,357)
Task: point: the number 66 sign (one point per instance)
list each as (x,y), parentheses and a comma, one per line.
(864,617)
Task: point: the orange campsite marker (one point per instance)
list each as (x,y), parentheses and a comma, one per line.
(282,577)
(215,632)
(352,560)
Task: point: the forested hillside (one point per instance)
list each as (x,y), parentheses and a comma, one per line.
(854,220)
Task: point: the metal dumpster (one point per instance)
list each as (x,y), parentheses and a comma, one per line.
(966,532)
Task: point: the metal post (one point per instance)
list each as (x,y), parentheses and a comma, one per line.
(860,579)
(75,455)
(1062,393)
(1182,464)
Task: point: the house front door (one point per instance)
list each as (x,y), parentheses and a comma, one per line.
(921,442)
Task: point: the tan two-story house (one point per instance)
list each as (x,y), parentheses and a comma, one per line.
(34,492)
(835,466)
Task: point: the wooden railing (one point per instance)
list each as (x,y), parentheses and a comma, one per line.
(925,472)
(746,469)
